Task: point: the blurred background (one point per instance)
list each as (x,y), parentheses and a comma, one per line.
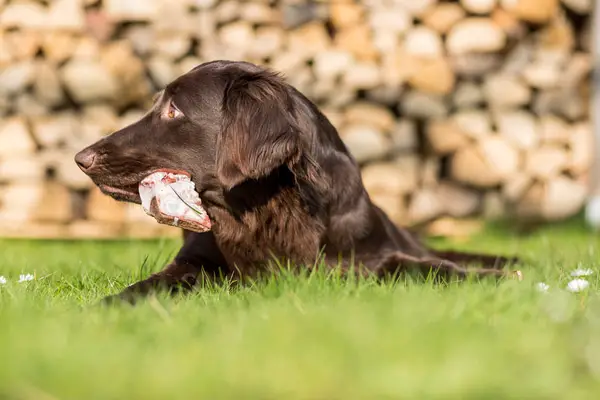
(458,111)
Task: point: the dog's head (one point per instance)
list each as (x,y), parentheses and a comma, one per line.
(223,123)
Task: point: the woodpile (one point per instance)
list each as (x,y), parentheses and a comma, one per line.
(457,109)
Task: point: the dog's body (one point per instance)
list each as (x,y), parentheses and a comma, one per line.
(273,175)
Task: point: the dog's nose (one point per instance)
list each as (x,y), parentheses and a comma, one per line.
(85,159)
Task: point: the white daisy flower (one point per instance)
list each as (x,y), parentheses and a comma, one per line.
(542,287)
(25,278)
(582,272)
(577,285)
(2,280)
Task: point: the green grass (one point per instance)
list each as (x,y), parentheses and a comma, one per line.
(299,337)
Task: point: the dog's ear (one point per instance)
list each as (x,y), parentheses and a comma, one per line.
(259,132)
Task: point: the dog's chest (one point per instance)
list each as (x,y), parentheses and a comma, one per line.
(282,231)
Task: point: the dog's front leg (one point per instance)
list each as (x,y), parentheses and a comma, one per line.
(173,278)
(199,258)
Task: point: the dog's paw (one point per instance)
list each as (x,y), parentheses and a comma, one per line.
(125,297)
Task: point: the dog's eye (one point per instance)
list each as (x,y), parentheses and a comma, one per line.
(173,111)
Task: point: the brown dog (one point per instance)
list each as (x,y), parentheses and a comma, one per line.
(273,175)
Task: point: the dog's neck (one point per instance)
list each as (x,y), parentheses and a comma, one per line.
(267,218)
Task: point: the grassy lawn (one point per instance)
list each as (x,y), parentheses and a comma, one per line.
(299,338)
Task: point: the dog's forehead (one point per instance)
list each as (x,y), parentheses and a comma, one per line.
(195,81)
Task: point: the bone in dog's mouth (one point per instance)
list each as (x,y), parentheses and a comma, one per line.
(170,197)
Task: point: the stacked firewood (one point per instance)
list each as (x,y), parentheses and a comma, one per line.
(452,108)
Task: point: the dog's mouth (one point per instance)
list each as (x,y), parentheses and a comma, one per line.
(129,192)
(124,193)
